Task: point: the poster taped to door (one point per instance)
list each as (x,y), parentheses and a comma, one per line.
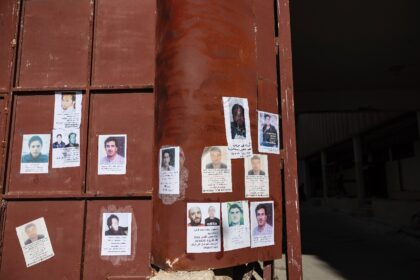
(68,109)
(262,223)
(235,216)
(66,148)
(256,176)
(35,242)
(116,234)
(238,132)
(169,170)
(268,133)
(203,227)
(216,170)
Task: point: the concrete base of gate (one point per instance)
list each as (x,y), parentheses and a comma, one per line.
(183,275)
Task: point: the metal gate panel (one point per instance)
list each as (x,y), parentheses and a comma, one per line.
(113,267)
(206,51)
(124,30)
(3,121)
(123,113)
(8,15)
(54,44)
(266,41)
(64,221)
(34,114)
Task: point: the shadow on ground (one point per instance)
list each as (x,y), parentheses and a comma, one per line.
(339,246)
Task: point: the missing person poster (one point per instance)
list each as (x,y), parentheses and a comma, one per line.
(268,133)
(235,217)
(68,109)
(256,176)
(169,170)
(116,234)
(35,153)
(203,227)
(238,132)
(112,154)
(65,148)
(35,242)
(262,223)
(216,170)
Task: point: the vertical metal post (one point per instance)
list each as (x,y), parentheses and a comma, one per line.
(294,254)
(307,179)
(324,175)
(358,166)
(418,123)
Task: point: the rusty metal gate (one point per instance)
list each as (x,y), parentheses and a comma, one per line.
(151,70)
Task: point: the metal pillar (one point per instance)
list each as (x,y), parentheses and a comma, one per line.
(324,174)
(307,179)
(291,197)
(418,123)
(358,166)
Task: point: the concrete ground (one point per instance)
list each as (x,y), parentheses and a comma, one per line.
(339,246)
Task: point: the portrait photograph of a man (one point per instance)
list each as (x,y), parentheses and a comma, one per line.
(256,165)
(114,228)
(35,153)
(59,143)
(112,154)
(215,157)
(262,223)
(35,241)
(195,217)
(268,133)
(236,214)
(237,126)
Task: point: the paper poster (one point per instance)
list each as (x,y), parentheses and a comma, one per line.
(65,148)
(169,170)
(116,234)
(216,170)
(238,132)
(68,109)
(203,227)
(35,242)
(262,223)
(112,154)
(268,133)
(235,216)
(35,153)
(256,176)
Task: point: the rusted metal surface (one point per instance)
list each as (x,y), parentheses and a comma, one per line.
(205,51)
(119,113)
(124,30)
(294,254)
(34,114)
(3,140)
(3,208)
(8,18)
(54,44)
(118,267)
(268,270)
(64,221)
